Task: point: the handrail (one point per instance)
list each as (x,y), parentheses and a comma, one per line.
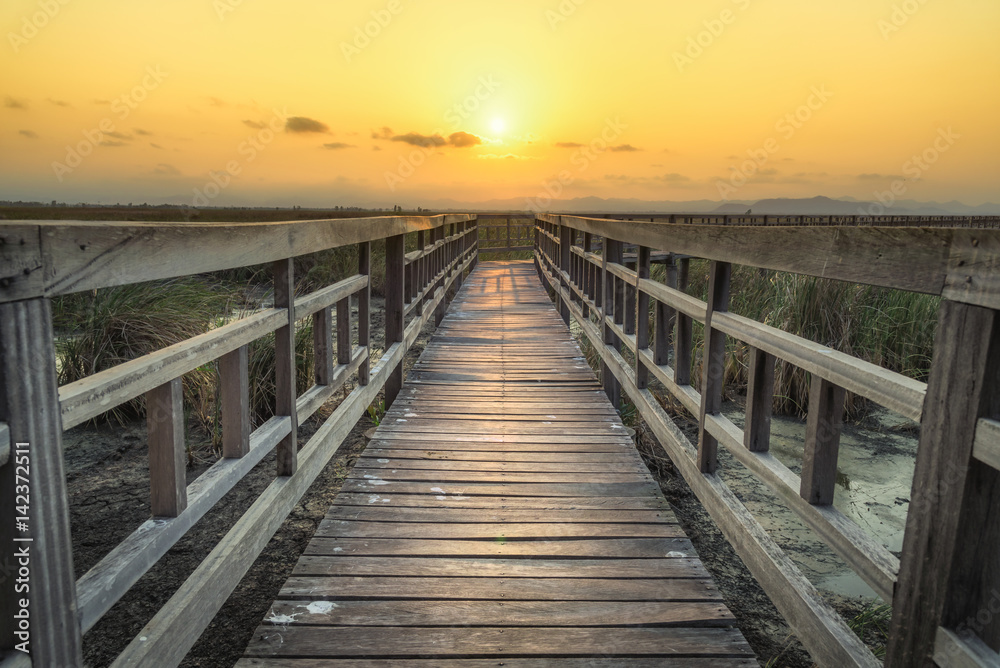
(621,309)
(42,260)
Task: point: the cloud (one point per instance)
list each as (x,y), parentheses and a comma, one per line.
(254,124)
(163,169)
(382,133)
(376,148)
(623,148)
(301,124)
(59,103)
(872,177)
(568,144)
(143,133)
(463,140)
(13,103)
(337,145)
(156,146)
(505,156)
(112,143)
(424,141)
(216,102)
(28,133)
(119,135)
(673,177)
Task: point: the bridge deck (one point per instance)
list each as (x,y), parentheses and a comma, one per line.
(501,516)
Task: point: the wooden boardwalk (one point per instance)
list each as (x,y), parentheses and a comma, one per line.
(500,517)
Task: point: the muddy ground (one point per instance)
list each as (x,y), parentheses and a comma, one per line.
(107,473)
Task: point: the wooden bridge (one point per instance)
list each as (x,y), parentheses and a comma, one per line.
(501,515)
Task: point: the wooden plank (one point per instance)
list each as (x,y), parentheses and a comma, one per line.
(4,443)
(634,466)
(961,385)
(511,613)
(495,642)
(234,385)
(642,324)
(324,298)
(29,405)
(284,365)
(167,452)
(500,489)
(538,502)
(683,339)
(953,651)
(594,548)
(322,330)
(451,477)
(341,566)
(523,589)
(760,396)
(378,512)
(987,442)
(547,662)
(495,530)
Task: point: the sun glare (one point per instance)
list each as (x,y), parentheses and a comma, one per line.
(498,125)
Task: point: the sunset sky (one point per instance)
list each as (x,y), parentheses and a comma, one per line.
(259,102)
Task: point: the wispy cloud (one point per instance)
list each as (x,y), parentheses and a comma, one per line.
(417,139)
(623,148)
(164,169)
(464,140)
(110,143)
(142,133)
(59,103)
(119,135)
(382,133)
(568,144)
(301,125)
(256,125)
(337,145)
(14,103)
(28,133)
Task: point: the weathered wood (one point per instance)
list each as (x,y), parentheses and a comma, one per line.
(72,256)
(29,405)
(91,396)
(961,387)
(954,651)
(394,319)
(642,324)
(547,662)
(364,308)
(344,348)
(328,296)
(760,396)
(713,376)
(683,339)
(565,241)
(4,443)
(987,442)
(167,453)
(322,330)
(284,364)
(634,548)
(819,460)
(105,583)
(234,382)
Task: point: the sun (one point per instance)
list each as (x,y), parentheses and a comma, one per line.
(498,125)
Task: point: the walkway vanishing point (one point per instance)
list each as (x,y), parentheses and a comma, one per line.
(501,512)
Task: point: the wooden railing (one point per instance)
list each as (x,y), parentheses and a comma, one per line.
(39,261)
(945,589)
(505,234)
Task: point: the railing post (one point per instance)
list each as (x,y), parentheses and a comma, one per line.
(344,331)
(537,250)
(420,273)
(630,299)
(29,404)
(565,253)
(284,365)
(685,332)
(165,432)
(713,365)
(457,253)
(612,253)
(760,396)
(364,310)
(440,262)
(323,344)
(949,572)
(663,320)
(395,250)
(642,318)
(819,461)
(588,282)
(234,380)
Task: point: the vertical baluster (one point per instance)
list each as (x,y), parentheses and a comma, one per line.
(420,274)
(588,273)
(612,305)
(819,462)
(714,365)
(323,345)
(760,396)
(234,382)
(565,253)
(364,310)
(642,318)
(395,249)
(284,365)
(685,332)
(630,303)
(167,456)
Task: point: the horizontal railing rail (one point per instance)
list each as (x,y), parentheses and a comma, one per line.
(643,330)
(41,260)
(505,234)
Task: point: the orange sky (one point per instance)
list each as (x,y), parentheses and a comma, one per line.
(396,101)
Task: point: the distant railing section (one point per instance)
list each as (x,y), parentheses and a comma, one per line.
(41,260)
(980,222)
(949,572)
(505,234)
